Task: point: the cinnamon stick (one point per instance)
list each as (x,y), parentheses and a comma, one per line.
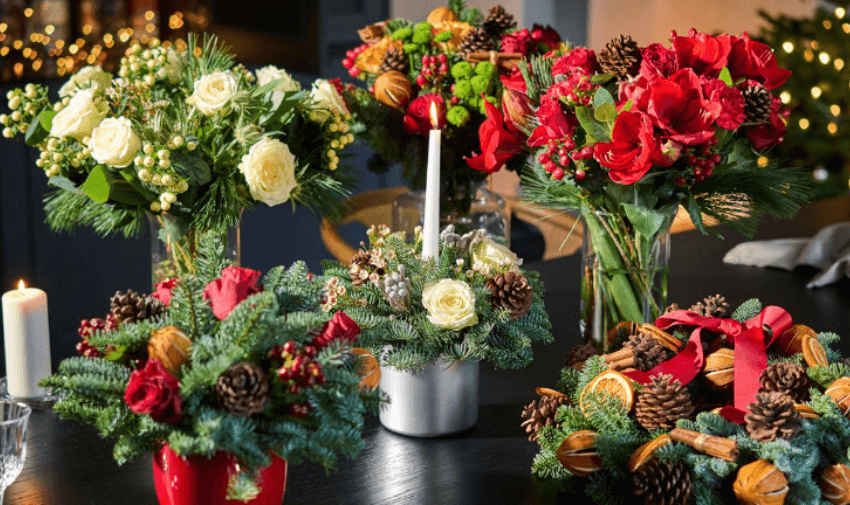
(719,447)
(624,358)
(505,61)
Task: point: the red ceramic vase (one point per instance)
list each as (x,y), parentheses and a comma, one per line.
(197,480)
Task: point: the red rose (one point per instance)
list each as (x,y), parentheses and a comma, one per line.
(677,106)
(234,285)
(417,120)
(753,60)
(163,290)
(545,36)
(771,133)
(579,57)
(340,327)
(554,122)
(657,61)
(519,41)
(498,145)
(705,54)
(629,155)
(154,391)
(514,81)
(730,100)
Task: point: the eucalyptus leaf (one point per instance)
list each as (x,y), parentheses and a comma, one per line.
(599,78)
(36,133)
(606,113)
(64,183)
(281,105)
(193,168)
(46,119)
(602,96)
(98,184)
(599,131)
(647,221)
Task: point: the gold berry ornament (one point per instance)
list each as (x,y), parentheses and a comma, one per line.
(441,15)
(393,89)
(760,483)
(839,391)
(578,455)
(170,346)
(835,484)
(719,370)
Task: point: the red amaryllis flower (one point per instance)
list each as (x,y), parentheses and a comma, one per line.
(498,145)
(554,122)
(516,107)
(629,155)
(704,53)
(731,102)
(519,41)
(163,290)
(417,119)
(154,391)
(234,285)
(514,81)
(753,60)
(657,61)
(771,133)
(634,90)
(340,327)
(677,106)
(579,57)
(546,36)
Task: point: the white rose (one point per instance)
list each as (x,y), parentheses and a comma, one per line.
(87,77)
(173,66)
(82,115)
(450,304)
(269,168)
(114,143)
(213,92)
(489,255)
(326,99)
(271,73)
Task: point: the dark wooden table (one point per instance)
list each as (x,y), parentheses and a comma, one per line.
(69,464)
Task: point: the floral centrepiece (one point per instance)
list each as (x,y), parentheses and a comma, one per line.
(236,362)
(444,60)
(630,134)
(717,417)
(188,138)
(474,302)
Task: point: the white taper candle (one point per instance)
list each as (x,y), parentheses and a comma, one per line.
(27,341)
(431,221)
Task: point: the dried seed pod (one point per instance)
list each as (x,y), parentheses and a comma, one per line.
(839,391)
(760,483)
(578,455)
(835,484)
(719,369)
(393,89)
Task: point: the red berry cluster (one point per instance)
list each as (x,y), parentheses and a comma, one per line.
(700,161)
(89,326)
(577,89)
(297,371)
(351,58)
(434,68)
(558,156)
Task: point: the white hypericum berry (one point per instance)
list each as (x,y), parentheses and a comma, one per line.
(177,141)
(148,149)
(75,162)
(44,154)
(16,115)
(155,207)
(4,119)
(165,163)
(52,144)
(150,80)
(15,102)
(39,163)
(57,157)
(163,154)
(139,160)
(156,180)
(149,161)
(144,175)
(134,67)
(191,146)
(10,94)
(167,180)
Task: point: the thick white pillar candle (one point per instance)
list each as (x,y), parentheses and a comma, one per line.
(431,222)
(27,341)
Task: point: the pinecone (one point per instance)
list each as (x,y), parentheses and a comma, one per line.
(498,21)
(242,389)
(773,416)
(713,306)
(663,402)
(664,483)
(787,378)
(621,57)
(130,307)
(649,352)
(511,291)
(394,59)
(757,103)
(476,40)
(579,354)
(538,415)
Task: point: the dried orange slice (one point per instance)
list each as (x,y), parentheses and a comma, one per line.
(664,338)
(839,391)
(368,369)
(612,383)
(813,351)
(791,342)
(549,392)
(646,452)
(806,411)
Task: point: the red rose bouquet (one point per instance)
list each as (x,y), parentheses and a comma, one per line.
(237,363)
(462,61)
(630,134)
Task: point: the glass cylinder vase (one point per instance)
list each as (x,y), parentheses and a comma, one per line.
(624,274)
(174,248)
(470,206)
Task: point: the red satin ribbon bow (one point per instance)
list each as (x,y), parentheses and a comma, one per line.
(750,352)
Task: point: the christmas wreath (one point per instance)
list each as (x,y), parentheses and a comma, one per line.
(701,409)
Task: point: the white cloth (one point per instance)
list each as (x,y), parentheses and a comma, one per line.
(828,250)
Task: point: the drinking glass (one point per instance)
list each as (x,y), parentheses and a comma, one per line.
(14,417)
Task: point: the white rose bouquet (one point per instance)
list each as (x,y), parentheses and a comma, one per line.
(474,302)
(185,135)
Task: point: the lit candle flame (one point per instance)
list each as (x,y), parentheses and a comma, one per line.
(435,119)
(21,284)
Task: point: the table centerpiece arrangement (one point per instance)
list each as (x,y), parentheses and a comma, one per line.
(431,319)
(187,138)
(701,408)
(629,135)
(461,61)
(228,377)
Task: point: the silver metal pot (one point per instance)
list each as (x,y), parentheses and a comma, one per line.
(435,401)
